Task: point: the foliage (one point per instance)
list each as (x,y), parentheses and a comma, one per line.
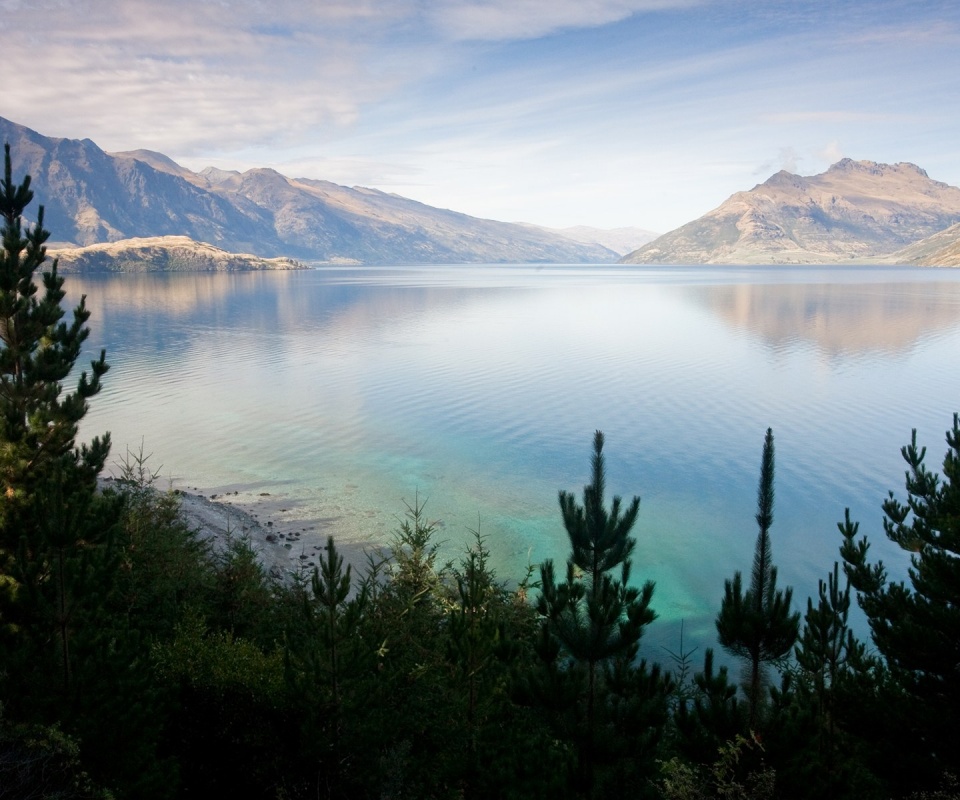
(231,726)
(217,659)
(415,577)
(475,632)
(65,657)
(43,763)
(487,629)
(592,621)
(712,716)
(39,423)
(165,571)
(680,674)
(736,774)
(242,596)
(51,523)
(915,626)
(949,789)
(594,617)
(758,625)
(341,653)
(827,654)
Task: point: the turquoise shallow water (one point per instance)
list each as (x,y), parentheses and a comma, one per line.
(350,391)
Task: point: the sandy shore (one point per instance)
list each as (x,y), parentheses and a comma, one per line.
(285,539)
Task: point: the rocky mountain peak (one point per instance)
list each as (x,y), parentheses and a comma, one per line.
(784,180)
(848,165)
(216,176)
(862,210)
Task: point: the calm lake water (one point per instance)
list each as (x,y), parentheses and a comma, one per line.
(349,391)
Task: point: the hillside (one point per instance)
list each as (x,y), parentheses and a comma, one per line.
(94,197)
(855,211)
(940,250)
(162,254)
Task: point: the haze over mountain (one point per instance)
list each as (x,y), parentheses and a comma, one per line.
(857,211)
(91,197)
(619,240)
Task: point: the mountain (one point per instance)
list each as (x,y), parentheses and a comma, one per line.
(162,254)
(91,197)
(940,250)
(856,210)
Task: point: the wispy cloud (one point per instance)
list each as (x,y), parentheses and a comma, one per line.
(199,74)
(831,152)
(924,34)
(830,117)
(500,20)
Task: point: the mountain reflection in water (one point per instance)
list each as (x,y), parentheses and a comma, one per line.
(839,319)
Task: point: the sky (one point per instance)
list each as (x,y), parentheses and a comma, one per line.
(607,113)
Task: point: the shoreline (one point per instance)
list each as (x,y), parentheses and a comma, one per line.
(285,539)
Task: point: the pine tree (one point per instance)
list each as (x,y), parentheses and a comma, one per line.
(597,617)
(474,625)
(815,715)
(326,666)
(916,626)
(592,622)
(39,424)
(757,625)
(713,715)
(66,656)
(485,631)
(825,646)
(50,520)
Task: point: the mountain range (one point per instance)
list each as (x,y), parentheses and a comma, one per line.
(858,212)
(91,197)
(855,212)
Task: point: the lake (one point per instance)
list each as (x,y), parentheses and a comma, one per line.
(349,391)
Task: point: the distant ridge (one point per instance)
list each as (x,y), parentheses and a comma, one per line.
(92,197)
(856,211)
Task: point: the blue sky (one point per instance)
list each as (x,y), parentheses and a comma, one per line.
(556,112)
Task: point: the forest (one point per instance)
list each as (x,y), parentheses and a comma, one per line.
(138,662)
